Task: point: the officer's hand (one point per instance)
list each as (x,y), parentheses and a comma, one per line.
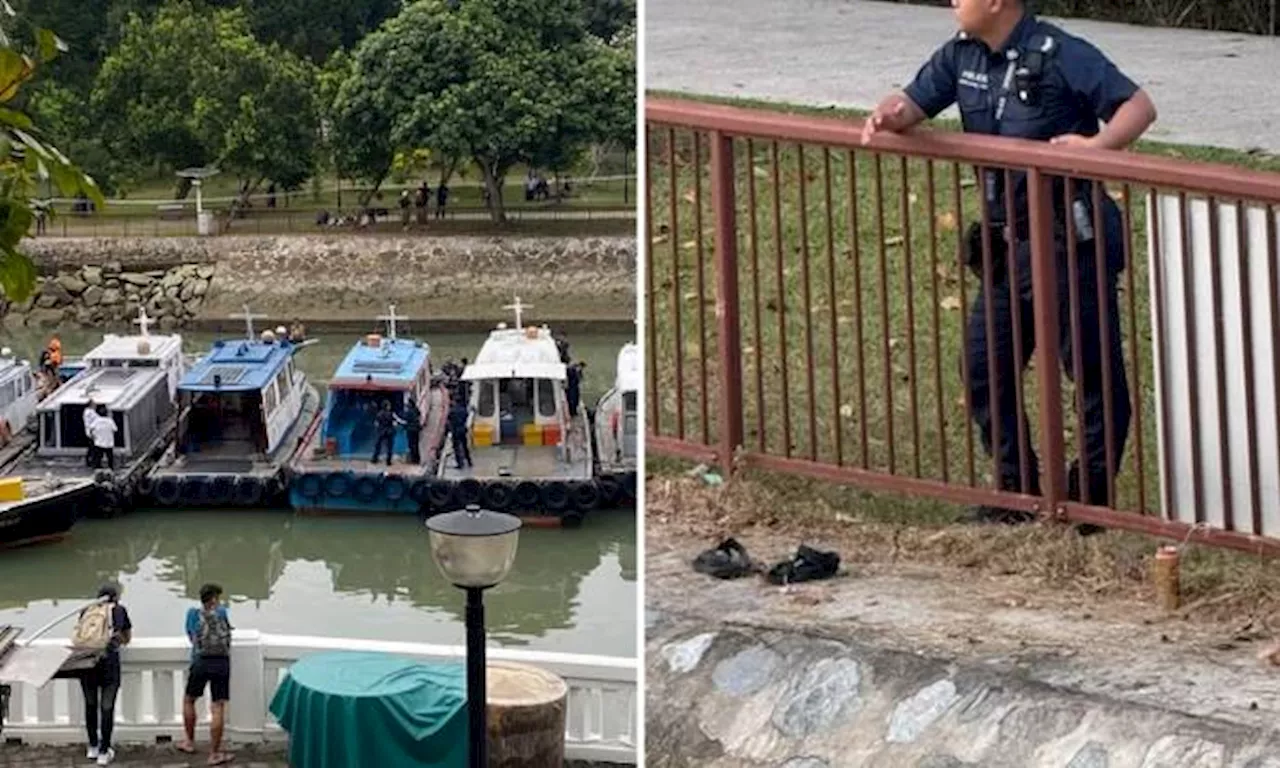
(1072,140)
(887,111)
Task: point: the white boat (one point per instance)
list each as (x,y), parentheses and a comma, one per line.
(529,453)
(617,423)
(19,396)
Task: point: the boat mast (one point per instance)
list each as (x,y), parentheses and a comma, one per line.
(143,322)
(519,308)
(248,318)
(392,318)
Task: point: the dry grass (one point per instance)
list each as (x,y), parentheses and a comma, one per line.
(1217,585)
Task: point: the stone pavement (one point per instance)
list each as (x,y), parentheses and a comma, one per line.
(247,756)
(1212,88)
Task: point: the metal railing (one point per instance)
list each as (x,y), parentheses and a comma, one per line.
(600,719)
(806,299)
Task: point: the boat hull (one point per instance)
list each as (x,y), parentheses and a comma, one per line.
(47,517)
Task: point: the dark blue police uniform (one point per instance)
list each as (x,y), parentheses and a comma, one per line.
(1043,83)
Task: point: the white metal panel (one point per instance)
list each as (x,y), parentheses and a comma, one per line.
(1180,357)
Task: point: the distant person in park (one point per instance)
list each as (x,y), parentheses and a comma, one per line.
(209,629)
(442,199)
(271,195)
(103,626)
(422,201)
(413,431)
(406,208)
(103,433)
(385,422)
(458,433)
(1014,75)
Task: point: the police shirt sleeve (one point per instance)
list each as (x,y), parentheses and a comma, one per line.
(1097,81)
(934,88)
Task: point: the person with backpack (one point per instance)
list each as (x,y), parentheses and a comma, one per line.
(209,630)
(103,626)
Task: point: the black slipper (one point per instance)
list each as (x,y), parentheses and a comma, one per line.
(808,565)
(727,560)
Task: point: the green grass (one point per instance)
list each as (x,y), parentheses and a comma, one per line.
(910,313)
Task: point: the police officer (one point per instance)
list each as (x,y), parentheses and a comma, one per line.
(458,431)
(385,422)
(1014,75)
(413,430)
(573,387)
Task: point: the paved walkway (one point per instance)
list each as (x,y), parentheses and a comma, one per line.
(256,756)
(1211,88)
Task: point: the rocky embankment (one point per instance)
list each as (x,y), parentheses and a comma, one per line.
(316,278)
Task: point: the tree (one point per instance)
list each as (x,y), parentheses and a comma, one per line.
(357,132)
(499,81)
(315,29)
(27,161)
(189,89)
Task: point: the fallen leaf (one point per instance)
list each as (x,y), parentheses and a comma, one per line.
(913,198)
(966,183)
(950,303)
(947,221)
(891,242)
(689,197)
(846,411)
(660,239)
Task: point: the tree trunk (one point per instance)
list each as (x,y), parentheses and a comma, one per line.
(526,713)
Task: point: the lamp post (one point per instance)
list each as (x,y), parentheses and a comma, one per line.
(474,550)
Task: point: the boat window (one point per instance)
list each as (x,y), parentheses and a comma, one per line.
(629,402)
(49,434)
(546,397)
(269,398)
(485,405)
(282,383)
(8,393)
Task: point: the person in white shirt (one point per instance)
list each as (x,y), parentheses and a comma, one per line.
(90,415)
(104,437)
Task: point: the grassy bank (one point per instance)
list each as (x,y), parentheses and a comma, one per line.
(879,304)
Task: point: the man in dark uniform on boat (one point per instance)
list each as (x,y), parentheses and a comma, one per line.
(385,422)
(573,386)
(464,387)
(458,432)
(412,430)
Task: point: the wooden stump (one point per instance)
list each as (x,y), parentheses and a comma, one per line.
(526,710)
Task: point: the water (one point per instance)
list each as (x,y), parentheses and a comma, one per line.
(570,591)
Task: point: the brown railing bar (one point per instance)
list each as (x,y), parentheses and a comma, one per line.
(1246,339)
(884,313)
(1015,304)
(1220,358)
(931,190)
(1044,282)
(1193,388)
(1102,280)
(1134,167)
(698,235)
(1077,356)
(782,300)
(855,239)
(989,316)
(755,293)
(909,289)
(836,426)
(961,271)
(723,201)
(1183,533)
(676,298)
(1140,458)
(652,398)
(807,299)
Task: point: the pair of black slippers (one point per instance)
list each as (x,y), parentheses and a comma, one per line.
(729,560)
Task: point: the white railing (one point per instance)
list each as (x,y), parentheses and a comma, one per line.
(600,722)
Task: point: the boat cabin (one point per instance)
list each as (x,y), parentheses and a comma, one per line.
(133,376)
(19,394)
(377,369)
(517,384)
(241,399)
(617,423)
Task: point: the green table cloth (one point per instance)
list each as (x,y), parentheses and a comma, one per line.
(372,709)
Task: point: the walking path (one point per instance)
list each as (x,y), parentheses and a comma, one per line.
(247,756)
(1212,88)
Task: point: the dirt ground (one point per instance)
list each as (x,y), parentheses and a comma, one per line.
(1068,610)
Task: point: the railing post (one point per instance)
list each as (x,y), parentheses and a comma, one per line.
(724,206)
(247,710)
(1044,280)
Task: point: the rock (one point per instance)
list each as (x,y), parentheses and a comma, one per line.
(25,305)
(47,302)
(205,271)
(92,275)
(111,296)
(173,291)
(155,274)
(92,296)
(14,321)
(133,278)
(52,288)
(173,278)
(72,284)
(112,282)
(187,291)
(168,323)
(112,268)
(46,318)
(84,316)
(201,286)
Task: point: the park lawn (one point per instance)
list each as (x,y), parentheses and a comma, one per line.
(911,315)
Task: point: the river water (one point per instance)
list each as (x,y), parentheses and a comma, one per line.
(571,591)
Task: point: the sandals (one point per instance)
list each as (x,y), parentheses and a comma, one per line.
(727,560)
(808,564)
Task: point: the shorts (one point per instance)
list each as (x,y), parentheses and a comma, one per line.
(214,671)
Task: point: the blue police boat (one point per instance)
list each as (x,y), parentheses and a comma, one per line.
(334,472)
(246,411)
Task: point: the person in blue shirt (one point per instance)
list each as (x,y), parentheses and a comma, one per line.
(1013,75)
(210,666)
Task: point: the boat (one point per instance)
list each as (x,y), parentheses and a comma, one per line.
(529,455)
(19,396)
(135,378)
(334,472)
(616,426)
(245,411)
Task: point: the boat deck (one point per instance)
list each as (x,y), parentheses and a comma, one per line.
(399,467)
(524,462)
(433,429)
(35,487)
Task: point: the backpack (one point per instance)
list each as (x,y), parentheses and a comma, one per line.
(213,636)
(93,629)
